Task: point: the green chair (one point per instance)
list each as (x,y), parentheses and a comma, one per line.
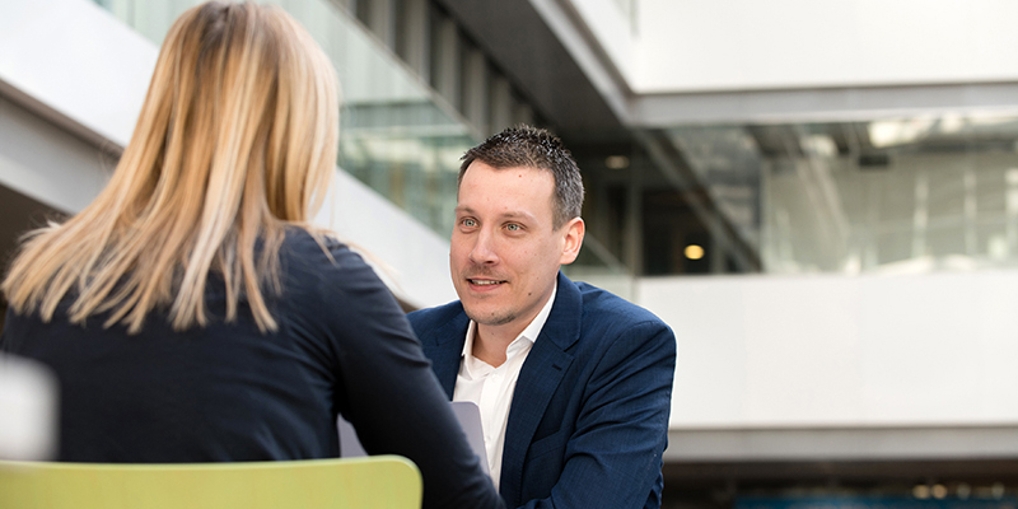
(372,482)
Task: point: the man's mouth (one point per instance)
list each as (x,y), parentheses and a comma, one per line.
(485,282)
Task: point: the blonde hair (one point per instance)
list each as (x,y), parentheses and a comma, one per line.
(237,139)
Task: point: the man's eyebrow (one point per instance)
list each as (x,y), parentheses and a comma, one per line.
(515,215)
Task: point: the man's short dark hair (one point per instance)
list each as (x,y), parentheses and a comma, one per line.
(530,147)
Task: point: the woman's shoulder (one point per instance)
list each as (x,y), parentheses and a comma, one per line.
(323,278)
(321,256)
(314,247)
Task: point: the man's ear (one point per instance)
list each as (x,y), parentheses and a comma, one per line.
(574,231)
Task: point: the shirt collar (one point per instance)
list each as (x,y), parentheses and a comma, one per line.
(530,333)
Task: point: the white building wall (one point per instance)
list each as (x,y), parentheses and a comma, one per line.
(73,57)
(731,45)
(689,62)
(612,30)
(828,351)
(46,163)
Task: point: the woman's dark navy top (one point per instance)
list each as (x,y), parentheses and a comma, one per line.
(227,392)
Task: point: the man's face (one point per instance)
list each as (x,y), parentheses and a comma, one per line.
(505,252)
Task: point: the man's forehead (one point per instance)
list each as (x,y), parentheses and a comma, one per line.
(506,212)
(501,197)
(480,169)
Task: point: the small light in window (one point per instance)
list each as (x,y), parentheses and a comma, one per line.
(617,162)
(694,252)
(939,491)
(963,491)
(997,490)
(921,491)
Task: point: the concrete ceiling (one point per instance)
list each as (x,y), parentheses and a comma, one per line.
(525,48)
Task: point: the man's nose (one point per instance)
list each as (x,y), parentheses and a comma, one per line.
(483,252)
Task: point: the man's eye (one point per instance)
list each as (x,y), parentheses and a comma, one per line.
(513,227)
(468,222)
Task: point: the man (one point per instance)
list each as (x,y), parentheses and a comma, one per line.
(573,383)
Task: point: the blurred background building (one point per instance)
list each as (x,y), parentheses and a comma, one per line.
(841,177)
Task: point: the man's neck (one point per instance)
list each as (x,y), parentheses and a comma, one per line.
(492,341)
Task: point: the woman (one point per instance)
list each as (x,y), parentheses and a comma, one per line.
(192,314)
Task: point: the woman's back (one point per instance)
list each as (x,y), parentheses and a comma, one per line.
(224,392)
(227,392)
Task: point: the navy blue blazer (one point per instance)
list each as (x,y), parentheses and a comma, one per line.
(589,418)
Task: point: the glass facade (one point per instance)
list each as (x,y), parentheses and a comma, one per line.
(892,195)
(396,134)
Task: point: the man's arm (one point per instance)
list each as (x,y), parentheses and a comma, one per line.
(613,458)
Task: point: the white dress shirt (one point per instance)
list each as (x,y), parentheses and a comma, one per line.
(491,388)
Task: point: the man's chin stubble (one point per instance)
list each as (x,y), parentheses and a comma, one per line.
(492,320)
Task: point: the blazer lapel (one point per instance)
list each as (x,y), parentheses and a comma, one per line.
(539,378)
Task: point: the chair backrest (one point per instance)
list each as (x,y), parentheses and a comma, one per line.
(372,482)
(28,410)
